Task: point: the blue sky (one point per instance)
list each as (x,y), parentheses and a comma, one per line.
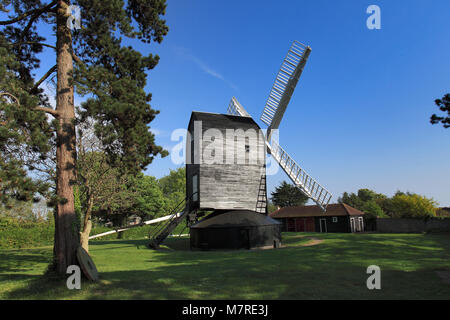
(359,117)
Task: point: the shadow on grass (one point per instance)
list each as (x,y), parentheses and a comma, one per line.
(139,244)
(243,279)
(22,260)
(334,270)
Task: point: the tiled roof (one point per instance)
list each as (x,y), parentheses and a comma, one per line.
(338,209)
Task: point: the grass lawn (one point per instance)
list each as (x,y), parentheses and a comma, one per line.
(332,269)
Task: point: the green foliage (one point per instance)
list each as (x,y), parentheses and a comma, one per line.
(108,188)
(373,210)
(173,187)
(141,232)
(271,207)
(366,200)
(411,205)
(19,210)
(78,205)
(443,212)
(287,195)
(114,76)
(363,196)
(24,133)
(150,201)
(117,195)
(111,75)
(401,205)
(16,233)
(444,106)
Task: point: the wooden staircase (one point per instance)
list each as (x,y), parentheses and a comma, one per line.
(166,228)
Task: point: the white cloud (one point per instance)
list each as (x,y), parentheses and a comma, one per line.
(203,66)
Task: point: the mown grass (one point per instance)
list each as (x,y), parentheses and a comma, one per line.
(333,269)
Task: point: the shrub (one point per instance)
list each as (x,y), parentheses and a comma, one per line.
(15,233)
(411,205)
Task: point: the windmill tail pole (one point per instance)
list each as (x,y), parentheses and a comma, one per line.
(170,216)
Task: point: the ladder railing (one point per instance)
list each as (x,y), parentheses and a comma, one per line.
(164,230)
(300,177)
(261,202)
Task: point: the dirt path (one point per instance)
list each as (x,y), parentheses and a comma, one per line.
(313,242)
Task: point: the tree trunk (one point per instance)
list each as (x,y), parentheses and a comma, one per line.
(84,236)
(66,224)
(87,225)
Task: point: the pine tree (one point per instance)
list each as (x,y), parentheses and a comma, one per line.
(444,106)
(91,61)
(288,195)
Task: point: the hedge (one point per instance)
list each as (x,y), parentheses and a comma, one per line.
(25,234)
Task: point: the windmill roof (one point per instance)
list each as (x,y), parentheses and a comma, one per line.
(218,120)
(338,209)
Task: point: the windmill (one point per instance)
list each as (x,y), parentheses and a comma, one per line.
(236,192)
(277,102)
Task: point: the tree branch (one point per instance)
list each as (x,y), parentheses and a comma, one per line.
(10,95)
(36,13)
(74,56)
(49,72)
(42,44)
(76,59)
(29,42)
(53,112)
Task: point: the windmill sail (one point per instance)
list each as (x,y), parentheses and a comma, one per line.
(285,82)
(236,109)
(299,177)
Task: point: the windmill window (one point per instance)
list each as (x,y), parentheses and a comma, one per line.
(335,219)
(247,148)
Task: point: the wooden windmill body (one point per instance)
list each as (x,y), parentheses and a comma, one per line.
(235,190)
(225,165)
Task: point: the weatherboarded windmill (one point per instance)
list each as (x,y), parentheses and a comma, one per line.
(226,169)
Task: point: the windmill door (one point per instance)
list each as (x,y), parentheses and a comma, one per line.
(244,239)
